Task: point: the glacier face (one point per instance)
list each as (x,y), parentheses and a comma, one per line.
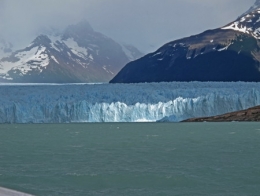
(174,101)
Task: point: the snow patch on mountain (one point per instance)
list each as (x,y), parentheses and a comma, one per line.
(76,49)
(128,53)
(235,26)
(252,8)
(248,23)
(131,52)
(53,58)
(77,54)
(225,48)
(34,58)
(54,46)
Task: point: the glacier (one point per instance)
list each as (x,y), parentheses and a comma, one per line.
(143,102)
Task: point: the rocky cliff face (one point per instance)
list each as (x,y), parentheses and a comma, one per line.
(229,53)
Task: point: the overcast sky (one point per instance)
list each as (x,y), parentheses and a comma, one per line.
(147,24)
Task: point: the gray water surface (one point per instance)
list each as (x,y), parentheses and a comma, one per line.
(131,159)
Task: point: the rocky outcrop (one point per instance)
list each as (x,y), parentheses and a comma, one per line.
(248,115)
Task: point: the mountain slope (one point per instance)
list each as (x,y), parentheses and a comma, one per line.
(252,8)
(250,114)
(230,53)
(79,54)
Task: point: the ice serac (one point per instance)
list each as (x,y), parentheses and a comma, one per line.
(123,102)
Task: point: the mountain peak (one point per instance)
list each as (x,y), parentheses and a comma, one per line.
(42,40)
(78,54)
(79,30)
(248,22)
(252,8)
(82,25)
(229,53)
(257,4)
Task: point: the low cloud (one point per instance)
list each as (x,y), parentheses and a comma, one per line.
(145,23)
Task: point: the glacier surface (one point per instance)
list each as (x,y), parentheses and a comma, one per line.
(176,101)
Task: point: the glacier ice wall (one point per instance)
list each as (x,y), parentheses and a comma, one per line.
(123,102)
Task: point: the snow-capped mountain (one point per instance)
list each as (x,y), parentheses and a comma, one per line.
(229,53)
(252,8)
(79,54)
(248,23)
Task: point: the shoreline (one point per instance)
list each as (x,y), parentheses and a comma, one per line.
(249,115)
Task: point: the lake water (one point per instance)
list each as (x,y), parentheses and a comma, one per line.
(220,159)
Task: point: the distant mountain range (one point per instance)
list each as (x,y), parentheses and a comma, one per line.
(229,53)
(79,54)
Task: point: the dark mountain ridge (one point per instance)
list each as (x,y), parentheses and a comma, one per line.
(230,53)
